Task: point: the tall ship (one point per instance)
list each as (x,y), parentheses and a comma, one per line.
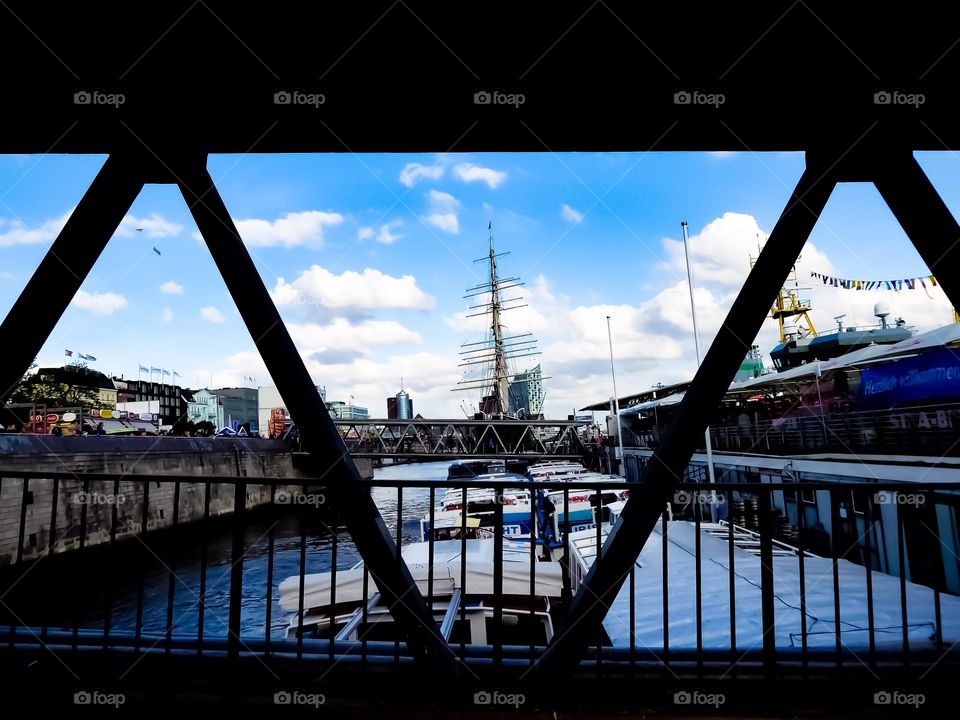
(487,363)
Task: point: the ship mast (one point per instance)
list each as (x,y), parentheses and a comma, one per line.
(494,353)
(500,371)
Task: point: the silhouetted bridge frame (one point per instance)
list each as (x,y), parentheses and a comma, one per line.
(412,439)
(794,78)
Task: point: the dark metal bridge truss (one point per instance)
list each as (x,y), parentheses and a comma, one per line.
(373,438)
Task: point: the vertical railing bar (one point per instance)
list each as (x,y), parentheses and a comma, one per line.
(804,640)
(108,599)
(171,576)
(430,549)
(51,541)
(271,542)
(396,642)
(144,517)
(234,619)
(85,488)
(365,615)
(664,541)
(901,541)
(871,622)
(534,535)
(732,589)
(595,496)
(334,544)
(835,567)
(463,573)
(301,588)
(202,596)
(566,552)
(498,579)
(698,580)
(766,579)
(25,491)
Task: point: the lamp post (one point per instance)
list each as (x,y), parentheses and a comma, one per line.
(696,345)
(616,400)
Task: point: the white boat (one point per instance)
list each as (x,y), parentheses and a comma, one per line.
(463,606)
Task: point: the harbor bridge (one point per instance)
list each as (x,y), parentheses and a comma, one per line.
(120,586)
(423,439)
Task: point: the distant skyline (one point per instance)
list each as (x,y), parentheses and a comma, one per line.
(368,258)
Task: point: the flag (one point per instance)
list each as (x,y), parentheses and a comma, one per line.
(68,353)
(165,372)
(91,358)
(154,369)
(156,250)
(144,369)
(176,374)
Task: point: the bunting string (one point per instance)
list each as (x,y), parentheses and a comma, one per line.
(897,285)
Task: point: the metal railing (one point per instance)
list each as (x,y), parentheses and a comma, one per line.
(927,431)
(777,598)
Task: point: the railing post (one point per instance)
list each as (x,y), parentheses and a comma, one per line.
(766,581)
(236,568)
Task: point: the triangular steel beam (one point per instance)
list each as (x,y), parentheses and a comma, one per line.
(69,261)
(645,505)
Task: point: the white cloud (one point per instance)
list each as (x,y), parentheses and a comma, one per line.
(468,172)
(171,288)
(291,230)
(414,171)
(442,212)
(16,232)
(99,303)
(167,315)
(313,337)
(385,235)
(211,314)
(154,226)
(368,290)
(570,215)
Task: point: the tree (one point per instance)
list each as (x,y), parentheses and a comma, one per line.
(52,394)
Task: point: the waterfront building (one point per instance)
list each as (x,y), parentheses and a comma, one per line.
(400,406)
(526,394)
(239,406)
(344,411)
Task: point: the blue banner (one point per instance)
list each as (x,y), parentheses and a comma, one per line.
(930,376)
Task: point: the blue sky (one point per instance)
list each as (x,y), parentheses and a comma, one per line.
(368,257)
